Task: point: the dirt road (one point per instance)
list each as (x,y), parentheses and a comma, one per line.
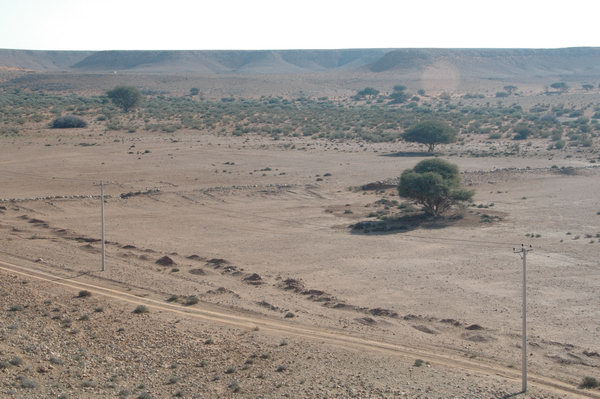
(252,321)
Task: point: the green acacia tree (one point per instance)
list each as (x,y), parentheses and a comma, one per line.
(125,97)
(434,184)
(560,86)
(430,133)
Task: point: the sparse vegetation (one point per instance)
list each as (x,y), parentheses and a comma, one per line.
(68,122)
(191,300)
(589,383)
(141,309)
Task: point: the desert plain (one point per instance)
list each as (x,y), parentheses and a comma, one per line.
(259,267)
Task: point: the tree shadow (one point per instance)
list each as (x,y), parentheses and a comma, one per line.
(410,154)
(402,224)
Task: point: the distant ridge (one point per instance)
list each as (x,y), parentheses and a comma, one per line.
(500,63)
(230,61)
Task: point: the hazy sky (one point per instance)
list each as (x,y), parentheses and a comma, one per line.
(291,24)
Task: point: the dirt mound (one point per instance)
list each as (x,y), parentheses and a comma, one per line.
(195,257)
(474,327)
(425,329)
(267,305)
(367,321)
(86,239)
(129,247)
(383,312)
(253,278)
(477,337)
(292,284)
(455,323)
(165,261)
(217,262)
(89,248)
(591,354)
(344,306)
(136,193)
(197,272)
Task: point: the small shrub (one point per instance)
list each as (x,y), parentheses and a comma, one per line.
(281,369)
(84,294)
(145,395)
(141,309)
(28,383)
(68,122)
(56,361)
(191,300)
(589,383)
(418,363)
(16,308)
(234,386)
(16,361)
(230,370)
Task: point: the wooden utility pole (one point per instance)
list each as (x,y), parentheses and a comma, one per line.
(102,215)
(523,251)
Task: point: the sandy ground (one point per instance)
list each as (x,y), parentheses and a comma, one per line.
(253,207)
